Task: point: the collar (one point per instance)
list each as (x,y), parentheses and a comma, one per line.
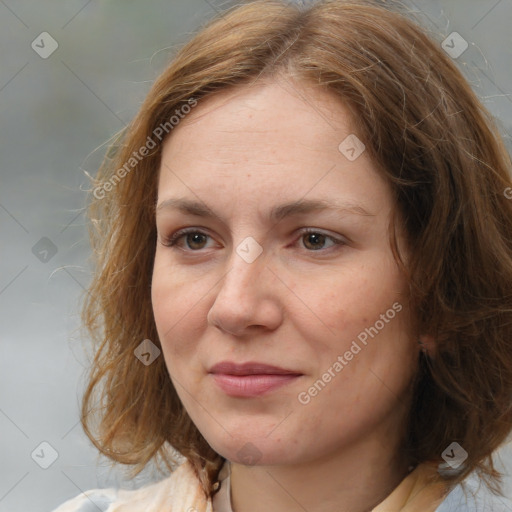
(422,490)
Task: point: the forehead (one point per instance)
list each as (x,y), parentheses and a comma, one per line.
(270,106)
(282,137)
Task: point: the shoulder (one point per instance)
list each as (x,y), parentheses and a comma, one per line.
(179,492)
(473,496)
(90,501)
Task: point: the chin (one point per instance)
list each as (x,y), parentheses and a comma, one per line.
(254,450)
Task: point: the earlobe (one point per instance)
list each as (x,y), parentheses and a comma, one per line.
(427,344)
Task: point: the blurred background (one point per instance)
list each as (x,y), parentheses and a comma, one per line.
(72,74)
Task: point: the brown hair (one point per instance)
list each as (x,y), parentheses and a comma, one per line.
(432,139)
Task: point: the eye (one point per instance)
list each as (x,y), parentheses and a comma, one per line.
(315,240)
(193,239)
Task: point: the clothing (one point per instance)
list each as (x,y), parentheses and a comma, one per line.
(181,492)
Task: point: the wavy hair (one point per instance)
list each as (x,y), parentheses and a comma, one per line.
(430,137)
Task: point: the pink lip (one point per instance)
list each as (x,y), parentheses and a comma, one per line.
(250,379)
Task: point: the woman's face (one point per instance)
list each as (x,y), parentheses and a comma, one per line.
(248,286)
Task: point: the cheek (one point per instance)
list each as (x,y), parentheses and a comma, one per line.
(361,313)
(346,302)
(175,309)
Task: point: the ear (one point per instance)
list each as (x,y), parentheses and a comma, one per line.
(427,344)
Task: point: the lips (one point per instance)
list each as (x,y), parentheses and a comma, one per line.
(250,368)
(251,379)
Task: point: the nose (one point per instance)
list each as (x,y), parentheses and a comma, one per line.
(248,298)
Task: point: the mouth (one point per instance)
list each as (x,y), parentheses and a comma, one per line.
(251,379)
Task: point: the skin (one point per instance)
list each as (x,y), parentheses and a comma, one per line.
(298,305)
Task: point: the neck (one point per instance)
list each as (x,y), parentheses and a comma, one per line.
(356,480)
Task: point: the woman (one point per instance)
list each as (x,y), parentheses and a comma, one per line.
(304,271)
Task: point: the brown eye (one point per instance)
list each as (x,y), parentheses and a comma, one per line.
(195,240)
(315,241)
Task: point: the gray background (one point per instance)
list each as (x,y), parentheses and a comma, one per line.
(56,116)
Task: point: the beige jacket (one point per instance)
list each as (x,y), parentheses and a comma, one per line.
(181,492)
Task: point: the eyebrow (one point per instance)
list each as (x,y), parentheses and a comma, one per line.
(277,213)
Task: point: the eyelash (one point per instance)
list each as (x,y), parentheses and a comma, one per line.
(172,240)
